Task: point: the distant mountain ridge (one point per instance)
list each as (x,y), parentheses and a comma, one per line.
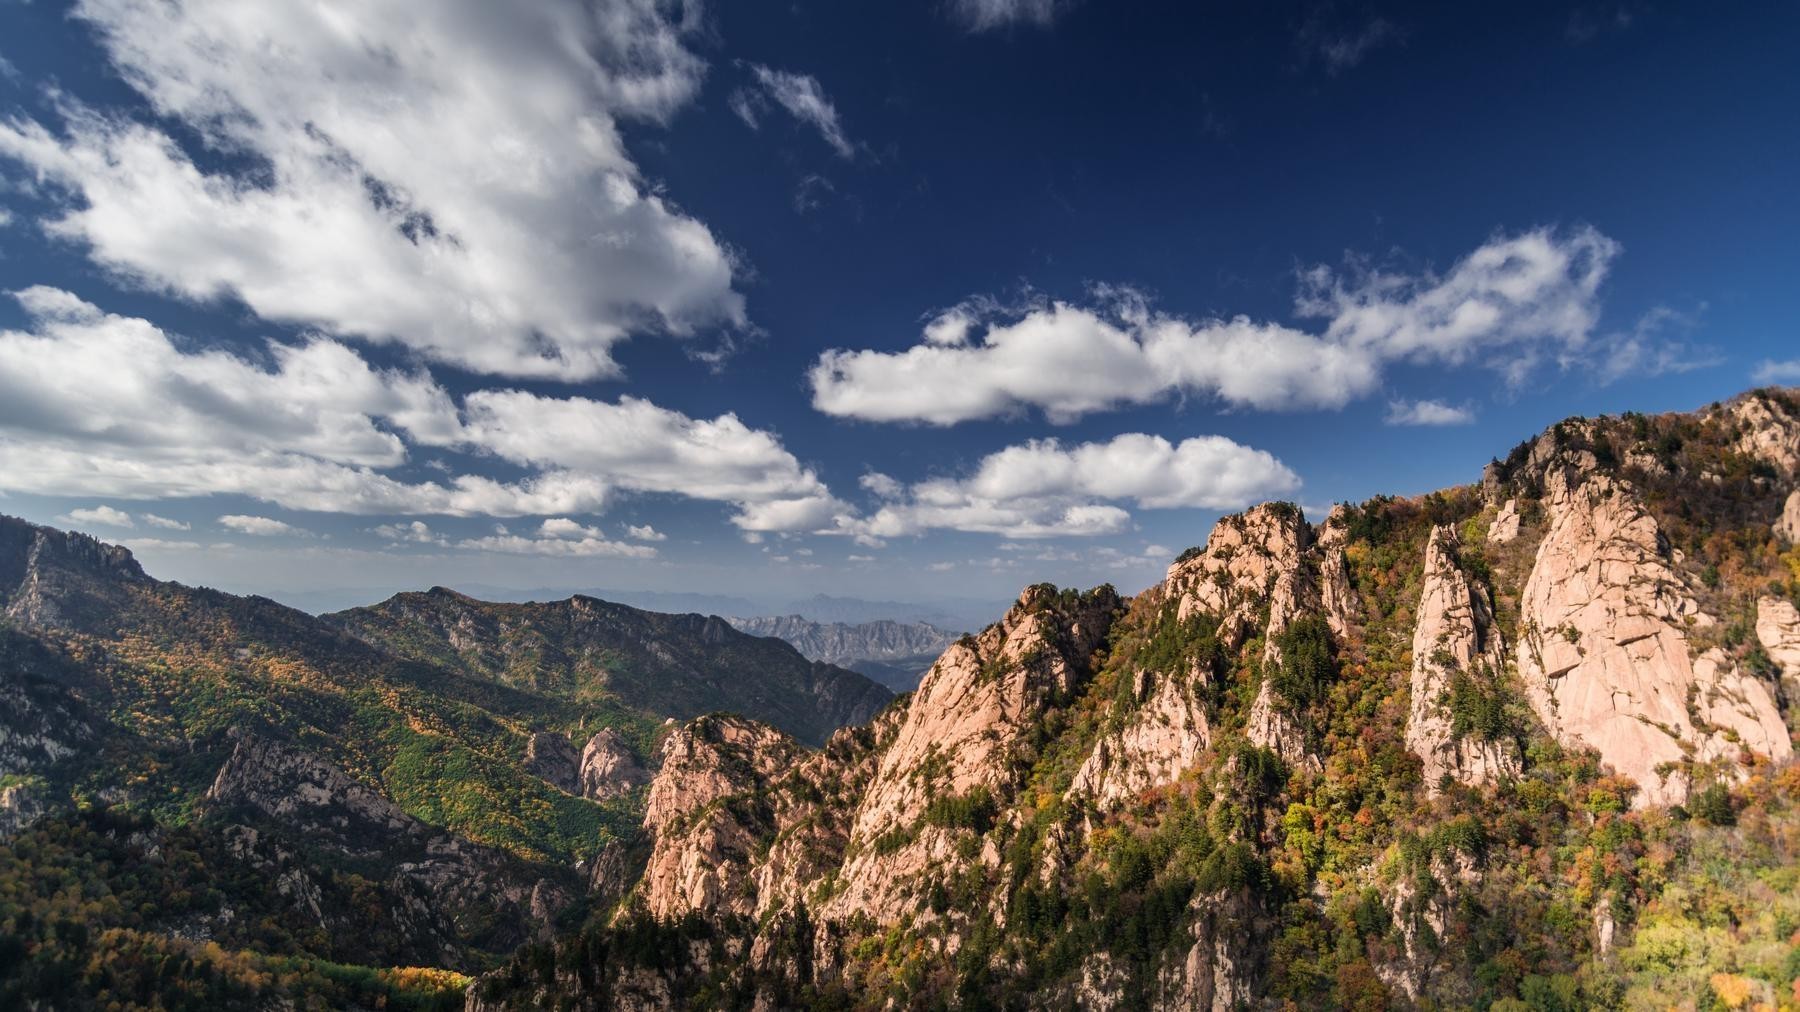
(681,665)
(945,613)
(841,642)
(890,652)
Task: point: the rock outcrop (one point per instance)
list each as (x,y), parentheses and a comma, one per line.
(51,579)
(551,757)
(705,816)
(1778,630)
(1788,526)
(961,733)
(609,769)
(455,886)
(1455,647)
(1167,733)
(1770,432)
(1604,649)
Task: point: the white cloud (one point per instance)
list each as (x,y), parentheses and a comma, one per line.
(1504,305)
(6,217)
(645,532)
(164,545)
(638,446)
(985,15)
(164,522)
(416,531)
(1770,371)
(261,527)
(449,176)
(587,544)
(563,527)
(881,485)
(96,404)
(1044,489)
(1427,413)
(801,96)
(104,516)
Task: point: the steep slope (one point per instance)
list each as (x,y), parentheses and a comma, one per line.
(1433,752)
(129,692)
(680,665)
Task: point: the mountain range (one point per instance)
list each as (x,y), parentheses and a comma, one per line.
(893,653)
(1523,743)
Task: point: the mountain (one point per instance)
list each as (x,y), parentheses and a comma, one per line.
(283,808)
(679,665)
(1526,743)
(892,653)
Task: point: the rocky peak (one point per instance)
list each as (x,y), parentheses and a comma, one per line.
(608,768)
(1456,652)
(703,843)
(962,732)
(714,757)
(1247,557)
(1769,430)
(51,578)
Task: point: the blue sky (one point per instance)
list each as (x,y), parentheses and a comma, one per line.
(898,300)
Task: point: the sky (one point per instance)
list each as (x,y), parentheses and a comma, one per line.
(895,300)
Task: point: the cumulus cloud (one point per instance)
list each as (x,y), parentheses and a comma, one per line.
(986,15)
(1427,413)
(644,532)
(1505,305)
(449,176)
(1045,489)
(1771,371)
(98,404)
(164,522)
(416,532)
(262,527)
(800,96)
(104,516)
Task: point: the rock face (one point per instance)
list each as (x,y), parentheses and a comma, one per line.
(1168,733)
(1770,432)
(51,579)
(1778,629)
(1604,651)
(744,821)
(455,883)
(1455,645)
(1507,523)
(552,757)
(1788,527)
(961,730)
(608,768)
(1265,562)
(702,853)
